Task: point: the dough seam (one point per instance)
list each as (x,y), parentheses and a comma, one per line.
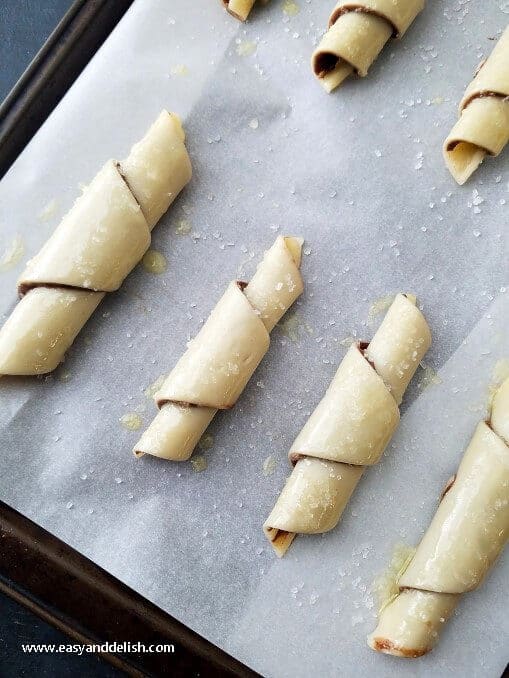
(360,9)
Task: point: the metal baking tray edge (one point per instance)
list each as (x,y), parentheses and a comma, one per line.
(38,570)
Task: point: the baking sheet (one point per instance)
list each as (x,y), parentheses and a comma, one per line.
(360,175)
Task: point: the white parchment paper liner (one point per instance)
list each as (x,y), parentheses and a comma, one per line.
(360,175)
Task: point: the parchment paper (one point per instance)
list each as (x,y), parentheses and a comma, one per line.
(360,175)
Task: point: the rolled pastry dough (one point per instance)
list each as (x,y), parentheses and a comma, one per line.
(483,125)
(220,360)
(356,35)
(467,534)
(95,246)
(350,427)
(239,8)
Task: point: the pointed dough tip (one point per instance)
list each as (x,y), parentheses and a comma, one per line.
(336,77)
(294,245)
(239,9)
(237,16)
(462,160)
(327,86)
(279,539)
(177,121)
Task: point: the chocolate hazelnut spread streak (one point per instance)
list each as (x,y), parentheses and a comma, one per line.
(221,359)
(351,426)
(466,536)
(95,246)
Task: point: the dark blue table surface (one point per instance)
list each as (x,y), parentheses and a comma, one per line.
(24,26)
(19,626)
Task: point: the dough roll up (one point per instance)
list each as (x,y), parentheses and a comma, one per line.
(467,534)
(351,426)
(221,359)
(356,35)
(239,8)
(95,246)
(483,125)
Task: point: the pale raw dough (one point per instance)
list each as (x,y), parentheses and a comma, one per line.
(351,426)
(356,35)
(399,345)
(410,624)
(357,401)
(96,245)
(220,360)
(471,524)
(175,431)
(42,327)
(158,167)
(239,8)
(312,500)
(466,536)
(483,126)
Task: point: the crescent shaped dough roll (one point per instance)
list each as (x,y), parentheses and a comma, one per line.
(95,246)
(221,359)
(356,35)
(351,426)
(239,8)
(483,125)
(466,536)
